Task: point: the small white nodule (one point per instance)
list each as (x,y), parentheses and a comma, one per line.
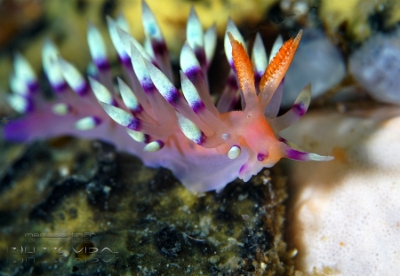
(234,152)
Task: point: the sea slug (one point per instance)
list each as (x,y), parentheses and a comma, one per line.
(205,145)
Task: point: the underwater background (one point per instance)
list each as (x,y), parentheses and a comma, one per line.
(71,206)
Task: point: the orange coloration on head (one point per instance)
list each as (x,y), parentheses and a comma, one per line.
(262,140)
(252,128)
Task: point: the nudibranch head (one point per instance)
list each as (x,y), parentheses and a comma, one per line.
(256,126)
(205,145)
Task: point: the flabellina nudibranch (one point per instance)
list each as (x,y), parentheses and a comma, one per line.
(206,146)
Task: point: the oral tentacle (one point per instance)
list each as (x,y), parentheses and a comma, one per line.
(299,108)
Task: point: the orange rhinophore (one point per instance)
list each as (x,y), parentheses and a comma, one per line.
(276,70)
(243,66)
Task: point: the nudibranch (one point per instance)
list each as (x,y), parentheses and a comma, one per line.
(205,145)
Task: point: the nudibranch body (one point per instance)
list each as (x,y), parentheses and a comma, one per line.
(205,145)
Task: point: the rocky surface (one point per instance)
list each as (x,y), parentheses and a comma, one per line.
(74,207)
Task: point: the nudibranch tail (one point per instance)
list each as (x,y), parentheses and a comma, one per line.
(205,145)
